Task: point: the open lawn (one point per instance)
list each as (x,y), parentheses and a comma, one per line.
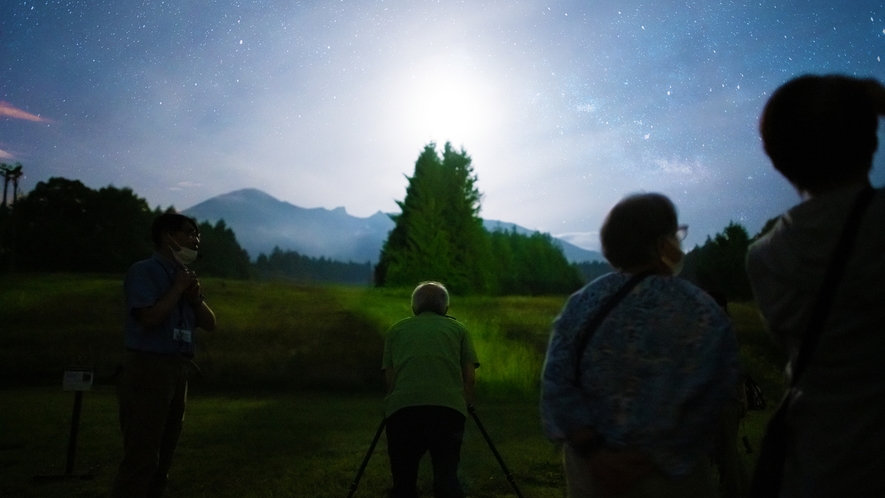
(259,445)
(289,395)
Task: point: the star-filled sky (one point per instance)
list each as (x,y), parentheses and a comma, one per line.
(564,107)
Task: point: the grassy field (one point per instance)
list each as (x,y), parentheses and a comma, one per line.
(290,391)
(259,445)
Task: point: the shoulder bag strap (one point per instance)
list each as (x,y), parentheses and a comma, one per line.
(589,327)
(838,262)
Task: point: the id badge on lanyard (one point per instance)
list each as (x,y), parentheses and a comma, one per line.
(182,335)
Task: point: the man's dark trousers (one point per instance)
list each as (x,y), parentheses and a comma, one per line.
(152,392)
(415,430)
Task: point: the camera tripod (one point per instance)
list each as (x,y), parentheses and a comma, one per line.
(470,409)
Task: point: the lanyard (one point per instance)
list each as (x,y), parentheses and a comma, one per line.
(180,303)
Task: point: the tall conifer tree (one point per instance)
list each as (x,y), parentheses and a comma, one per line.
(438,235)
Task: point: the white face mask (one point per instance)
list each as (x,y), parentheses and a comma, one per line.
(185,255)
(675,266)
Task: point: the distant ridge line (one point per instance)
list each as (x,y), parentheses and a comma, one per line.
(262,222)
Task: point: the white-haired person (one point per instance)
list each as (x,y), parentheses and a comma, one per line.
(820,133)
(429,364)
(639,366)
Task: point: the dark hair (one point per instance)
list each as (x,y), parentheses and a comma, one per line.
(631,230)
(169,222)
(821,130)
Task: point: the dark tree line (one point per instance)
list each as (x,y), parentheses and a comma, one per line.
(220,253)
(531,265)
(64,226)
(289,265)
(591,270)
(720,264)
(440,236)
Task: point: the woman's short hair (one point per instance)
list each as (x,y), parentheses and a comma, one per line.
(430,296)
(632,229)
(169,222)
(821,130)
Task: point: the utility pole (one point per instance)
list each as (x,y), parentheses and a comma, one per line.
(10,174)
(16,173)
(7,175)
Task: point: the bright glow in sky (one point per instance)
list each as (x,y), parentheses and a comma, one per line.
(564,107)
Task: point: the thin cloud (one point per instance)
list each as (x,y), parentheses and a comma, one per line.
(5,155)
(9,111)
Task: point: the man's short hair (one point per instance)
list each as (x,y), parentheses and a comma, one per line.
(632,228)
(821,130)
(170,222)
(430,296)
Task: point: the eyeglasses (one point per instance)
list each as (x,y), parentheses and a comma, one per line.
(190,233)
(681,232)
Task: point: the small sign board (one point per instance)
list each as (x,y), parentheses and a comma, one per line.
(77,379)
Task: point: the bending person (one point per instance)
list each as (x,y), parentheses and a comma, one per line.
(638,407)
(429,364)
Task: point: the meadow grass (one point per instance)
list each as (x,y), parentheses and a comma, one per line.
(760,357)
(290,391)
(273,444)
(269,335)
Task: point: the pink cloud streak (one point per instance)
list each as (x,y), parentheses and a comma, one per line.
(7,110)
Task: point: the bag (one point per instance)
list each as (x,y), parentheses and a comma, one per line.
(755,399)
(769,472)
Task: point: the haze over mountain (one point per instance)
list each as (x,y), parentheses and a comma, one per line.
(262,222)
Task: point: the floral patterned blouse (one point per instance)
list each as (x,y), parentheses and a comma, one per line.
(654,376)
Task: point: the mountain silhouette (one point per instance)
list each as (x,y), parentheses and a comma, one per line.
(262,222)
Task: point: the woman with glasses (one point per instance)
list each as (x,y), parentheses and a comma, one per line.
(639,365)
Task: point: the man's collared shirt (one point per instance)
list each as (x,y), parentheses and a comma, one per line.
(146,282)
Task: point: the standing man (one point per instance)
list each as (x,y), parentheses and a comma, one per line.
(429,364)
(164,306)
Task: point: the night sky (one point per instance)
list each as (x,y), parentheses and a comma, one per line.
(564,107)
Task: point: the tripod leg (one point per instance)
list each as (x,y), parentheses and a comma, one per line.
(359,473)
(472,410)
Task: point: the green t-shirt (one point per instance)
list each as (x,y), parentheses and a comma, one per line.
(426,353)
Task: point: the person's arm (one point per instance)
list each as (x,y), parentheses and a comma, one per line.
(468,374)
(566,409)
(389,375)
(158,312)
(205,316)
